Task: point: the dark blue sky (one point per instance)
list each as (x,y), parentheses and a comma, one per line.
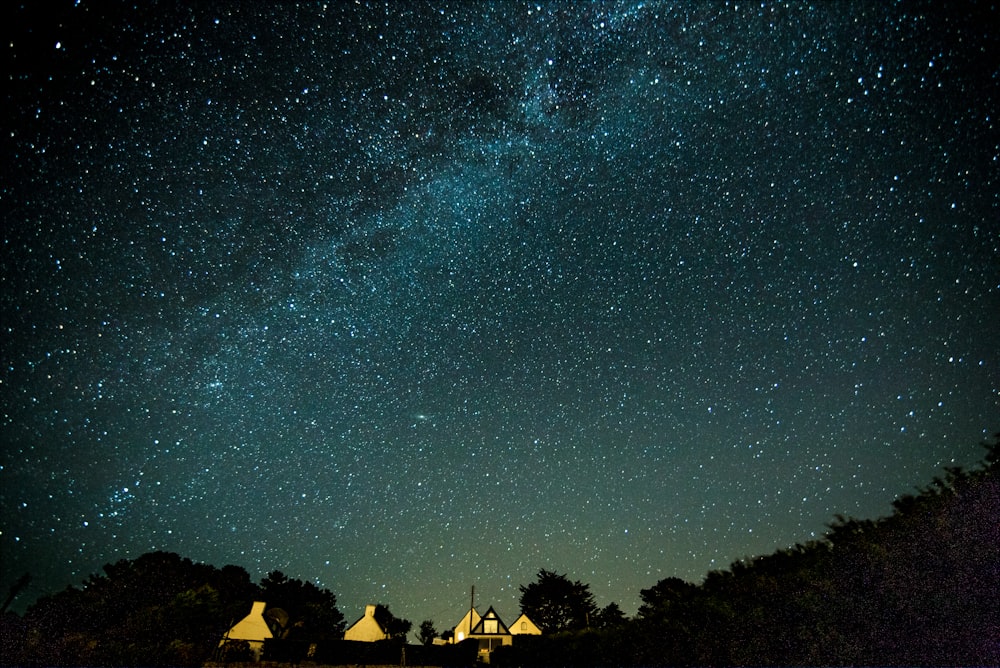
(405,298)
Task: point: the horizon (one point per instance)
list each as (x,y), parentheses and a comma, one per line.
(19,605)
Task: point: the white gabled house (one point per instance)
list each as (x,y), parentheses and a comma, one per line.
(464,627)
(490,631)
(252,629)
(366,629)
(524,626)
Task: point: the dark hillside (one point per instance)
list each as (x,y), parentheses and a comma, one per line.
(920,587)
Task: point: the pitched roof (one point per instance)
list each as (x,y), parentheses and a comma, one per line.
(367,628)
(253,626)
(523,624)
(490,625)
(464,626)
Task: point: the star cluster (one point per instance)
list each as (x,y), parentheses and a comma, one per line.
(406,297)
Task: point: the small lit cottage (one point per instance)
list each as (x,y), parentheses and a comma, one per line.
(366,629)
(252,629)
(490,630)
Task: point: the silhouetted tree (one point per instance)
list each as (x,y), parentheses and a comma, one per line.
(919,587)
(662,595)
(557,604)
(395,628)
(158,609)
(609,617)
(299,610)
(427,632)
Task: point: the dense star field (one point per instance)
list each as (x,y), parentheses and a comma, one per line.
(403,298)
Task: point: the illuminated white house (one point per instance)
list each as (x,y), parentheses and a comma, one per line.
(464,627)
(524,626)
(252,629)
(366,629)
(490,631)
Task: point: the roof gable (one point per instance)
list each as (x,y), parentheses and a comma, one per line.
(367,628)
(523,624)
(465,625)
(253,626)
(490,625)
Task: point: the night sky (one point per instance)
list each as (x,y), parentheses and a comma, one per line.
(403,298)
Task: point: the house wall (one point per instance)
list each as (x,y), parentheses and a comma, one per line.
(365,629)
(524,626)
(251,628)
(462,629)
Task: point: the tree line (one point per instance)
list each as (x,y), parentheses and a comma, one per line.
(919,587)
(160,609)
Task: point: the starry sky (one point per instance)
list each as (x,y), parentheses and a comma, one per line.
(402,298)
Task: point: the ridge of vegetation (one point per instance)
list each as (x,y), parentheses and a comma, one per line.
(918,587)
